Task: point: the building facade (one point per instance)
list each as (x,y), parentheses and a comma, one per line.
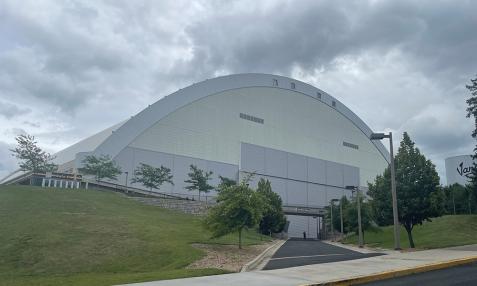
(308,144)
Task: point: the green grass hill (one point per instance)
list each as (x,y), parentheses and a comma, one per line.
(88,237)
(445,231)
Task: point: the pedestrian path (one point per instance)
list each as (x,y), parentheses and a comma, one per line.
(333,271)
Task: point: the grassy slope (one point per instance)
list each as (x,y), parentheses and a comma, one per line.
(66,237)
(444,231)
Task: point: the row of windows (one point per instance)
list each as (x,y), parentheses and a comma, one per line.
(350,145)
(293,86)
(252,118)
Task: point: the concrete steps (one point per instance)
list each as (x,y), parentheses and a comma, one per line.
(185,206)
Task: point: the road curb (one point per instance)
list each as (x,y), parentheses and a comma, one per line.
(396,273)
(252,265)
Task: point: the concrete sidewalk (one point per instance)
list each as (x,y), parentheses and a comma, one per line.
(335,271)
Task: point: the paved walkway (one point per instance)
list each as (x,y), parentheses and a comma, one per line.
(300,252)
(326,272)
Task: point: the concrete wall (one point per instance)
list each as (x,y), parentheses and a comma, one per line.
(130,158)
(299,180)
(299,224)
(213,129)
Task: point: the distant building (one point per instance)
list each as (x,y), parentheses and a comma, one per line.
(458,169)
(308,144)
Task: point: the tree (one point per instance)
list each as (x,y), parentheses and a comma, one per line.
(337,214)
(152,177)
(198,180)
(32,158)
(472,112)
(101,167)
(225,182)
(350,214)
(417,185)
(273,219)
(238,207)
(459,199)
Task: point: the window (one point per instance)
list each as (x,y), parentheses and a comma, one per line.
(252,118)
(333,103)
(275,82)
(350,145)
(318,94)
(292,85)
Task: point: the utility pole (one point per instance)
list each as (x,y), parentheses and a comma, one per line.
(397,236)
(341,216)
(331,223)
(360,229)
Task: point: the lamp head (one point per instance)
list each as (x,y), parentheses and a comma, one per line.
(377,136)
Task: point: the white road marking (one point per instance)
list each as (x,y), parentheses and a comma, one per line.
(305,256)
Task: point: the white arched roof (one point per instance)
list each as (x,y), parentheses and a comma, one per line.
(135,126)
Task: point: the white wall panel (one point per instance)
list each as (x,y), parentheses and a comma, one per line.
(296,193)
(334,193)
(316,171)
(279,186)
(210,128)
(296,167)
(275,163)
(316,195)
(334,174)
(350,176)
(253,158)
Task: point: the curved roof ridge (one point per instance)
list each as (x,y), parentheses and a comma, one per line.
(140,122)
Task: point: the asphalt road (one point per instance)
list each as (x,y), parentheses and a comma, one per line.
(464,275)
(299,252)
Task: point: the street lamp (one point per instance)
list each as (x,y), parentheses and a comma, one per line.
(380,136)
(332,228)
(341,218)
(127,173)
(358,199)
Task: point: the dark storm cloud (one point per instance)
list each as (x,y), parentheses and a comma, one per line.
(436,35)
(83,66)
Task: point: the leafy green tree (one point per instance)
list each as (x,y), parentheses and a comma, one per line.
(238,207)
(101,167)
(472,112)
(225,182)
(337,214)
(380,192)
(273,219)
(417,185)
(152,177)
(350,214)
(198,180)
(32,158)
(459,199)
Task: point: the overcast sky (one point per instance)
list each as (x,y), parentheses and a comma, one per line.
(71,68)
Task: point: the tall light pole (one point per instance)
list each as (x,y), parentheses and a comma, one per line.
(127,173)
(358,202)
(380,136)
(332,227)
(341,218)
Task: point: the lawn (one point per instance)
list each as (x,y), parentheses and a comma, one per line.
(445,231)
(88,237)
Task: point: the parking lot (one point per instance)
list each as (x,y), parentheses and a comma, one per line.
(298,252)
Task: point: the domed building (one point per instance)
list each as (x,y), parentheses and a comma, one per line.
(308,144)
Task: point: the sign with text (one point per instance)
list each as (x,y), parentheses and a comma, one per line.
(458,169)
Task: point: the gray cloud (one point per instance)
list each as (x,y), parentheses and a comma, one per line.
(80,67)
(10,110)
(7,161)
